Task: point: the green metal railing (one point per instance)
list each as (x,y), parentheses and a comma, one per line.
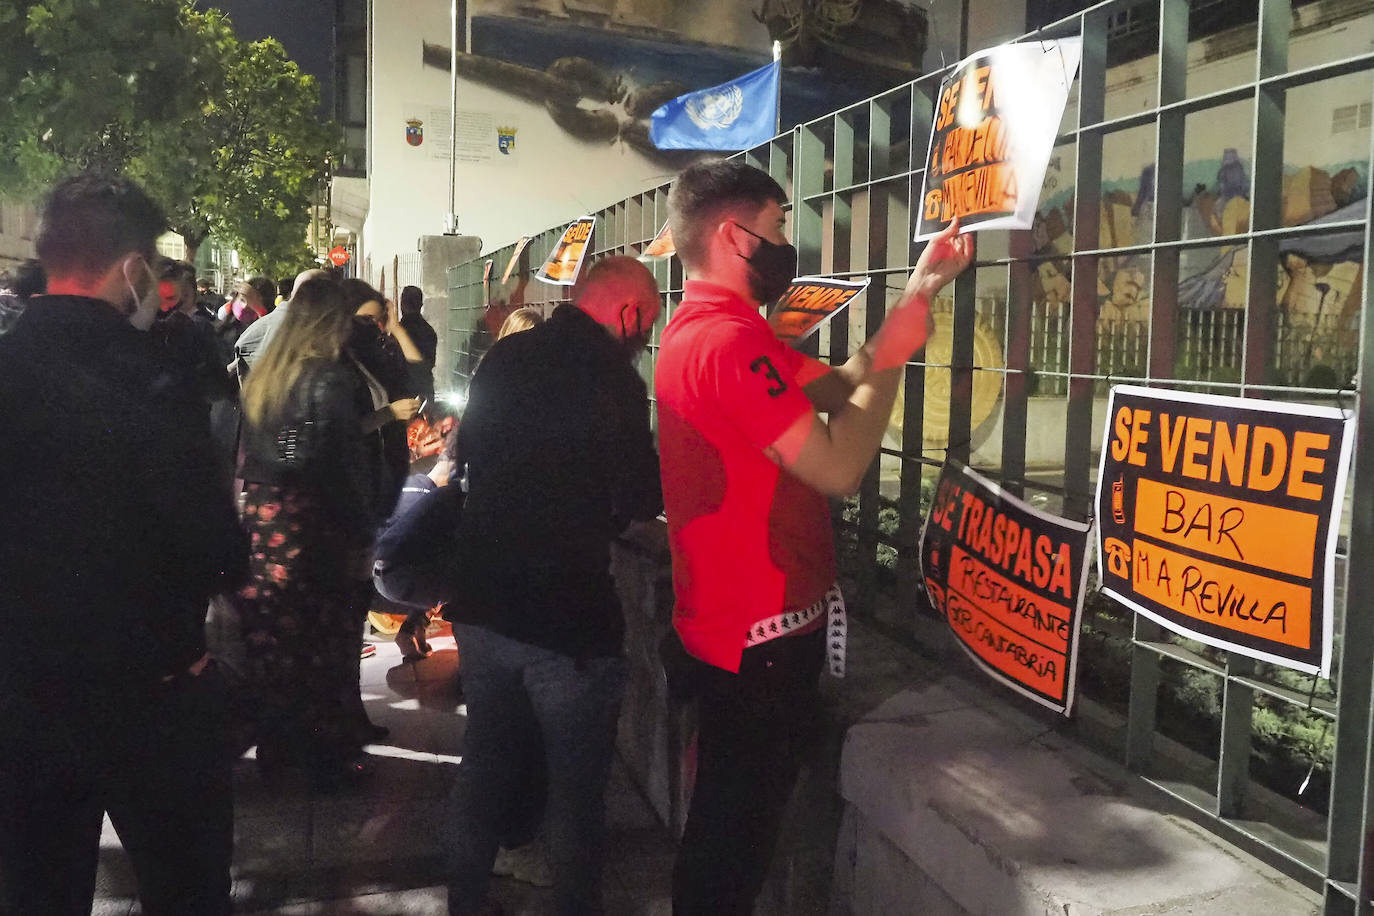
(853,177)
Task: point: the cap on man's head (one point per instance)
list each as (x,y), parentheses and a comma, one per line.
(91,221)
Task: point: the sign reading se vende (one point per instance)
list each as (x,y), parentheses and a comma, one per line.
(1009,579)
(809,303)
(1218,517)
(565,261)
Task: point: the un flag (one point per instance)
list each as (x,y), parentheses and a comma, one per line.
(732,116)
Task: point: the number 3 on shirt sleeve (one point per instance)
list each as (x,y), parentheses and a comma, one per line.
(764,366)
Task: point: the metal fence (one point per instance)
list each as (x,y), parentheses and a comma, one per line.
(391,275)
(1029,341)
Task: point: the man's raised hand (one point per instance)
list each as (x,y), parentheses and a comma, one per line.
(944,258)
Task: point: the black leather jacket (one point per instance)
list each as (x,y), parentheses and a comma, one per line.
(318,447)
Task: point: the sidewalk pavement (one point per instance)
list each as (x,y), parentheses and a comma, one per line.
(374,850)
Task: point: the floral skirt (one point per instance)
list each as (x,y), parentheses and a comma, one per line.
(302,617)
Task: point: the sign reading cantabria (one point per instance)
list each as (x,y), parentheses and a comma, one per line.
(992,133)
(1217,517)
(1009,579)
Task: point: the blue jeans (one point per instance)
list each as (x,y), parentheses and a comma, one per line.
(514,690)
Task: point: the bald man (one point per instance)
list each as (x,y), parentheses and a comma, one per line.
(559,456)
(255,339)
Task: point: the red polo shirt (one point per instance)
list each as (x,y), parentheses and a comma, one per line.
(748,539)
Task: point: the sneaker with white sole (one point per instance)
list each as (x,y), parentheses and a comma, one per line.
(528,863)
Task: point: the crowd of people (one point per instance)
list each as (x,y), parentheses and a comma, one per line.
(178,453)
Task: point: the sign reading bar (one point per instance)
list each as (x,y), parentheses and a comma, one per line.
(809,303)
(565,261)
(661,247)
(1218,516)
(1010,581)
(992,133)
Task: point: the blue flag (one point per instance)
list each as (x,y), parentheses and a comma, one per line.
(732,116)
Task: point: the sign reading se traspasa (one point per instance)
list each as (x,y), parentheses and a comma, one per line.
(565,261)
(809,303)
(1217,517)
(991,135)
(1009,579)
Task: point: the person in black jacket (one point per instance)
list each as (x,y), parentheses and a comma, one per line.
(311,507)
(114,518)
(392,385)
(421,331)
(559,457)
(188,340)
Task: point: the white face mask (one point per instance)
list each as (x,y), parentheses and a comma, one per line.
(145,307)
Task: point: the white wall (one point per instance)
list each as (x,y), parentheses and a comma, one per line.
(548,178)
(18,223)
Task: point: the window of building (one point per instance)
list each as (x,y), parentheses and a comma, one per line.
(1351,117)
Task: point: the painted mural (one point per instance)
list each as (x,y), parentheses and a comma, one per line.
(1318,282)
(600,69)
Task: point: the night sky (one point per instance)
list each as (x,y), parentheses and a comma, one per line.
(304,27)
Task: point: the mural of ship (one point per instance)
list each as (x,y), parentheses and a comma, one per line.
(600,79)
(887,38)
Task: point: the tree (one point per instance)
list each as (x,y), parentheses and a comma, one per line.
(79,78)
(175,160)
(248,162)
(274,157)
(223,133)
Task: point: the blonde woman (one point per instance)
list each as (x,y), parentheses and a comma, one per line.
(311,510)
(522,319)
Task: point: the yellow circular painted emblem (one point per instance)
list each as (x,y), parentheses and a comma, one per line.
(987,386)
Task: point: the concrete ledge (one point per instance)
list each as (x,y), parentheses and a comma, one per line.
(955,804)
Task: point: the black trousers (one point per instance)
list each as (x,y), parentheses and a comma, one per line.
(155,756)
(753,729)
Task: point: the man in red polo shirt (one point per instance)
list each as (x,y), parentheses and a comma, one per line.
(748,463)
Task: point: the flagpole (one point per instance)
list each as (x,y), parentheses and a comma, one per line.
(451,221)
(777,59)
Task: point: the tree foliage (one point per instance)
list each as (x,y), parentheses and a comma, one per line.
(79,77)
(223,133)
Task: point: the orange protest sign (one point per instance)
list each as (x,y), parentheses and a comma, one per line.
(661,247)
(996,116)
(810,302)
(565,261)
(1009,579)
(1218,517)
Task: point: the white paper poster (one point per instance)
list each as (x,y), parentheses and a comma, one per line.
(995,120)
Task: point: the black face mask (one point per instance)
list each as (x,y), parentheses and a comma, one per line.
(633,342)
(771,268)
(365,328)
